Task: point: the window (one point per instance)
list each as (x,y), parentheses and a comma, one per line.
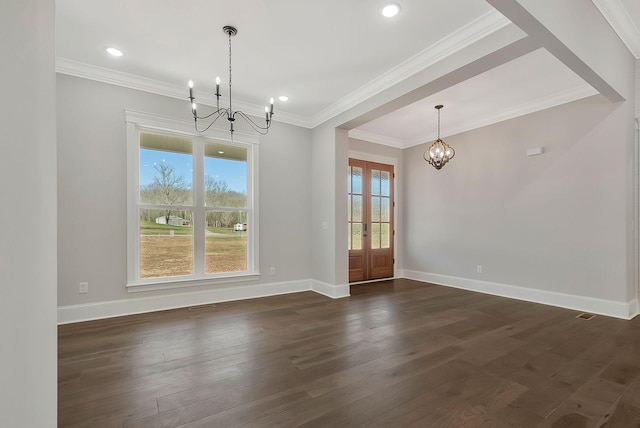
(191,205)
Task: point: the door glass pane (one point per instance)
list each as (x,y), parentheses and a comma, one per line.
(356,184)
(384,209)
(385,237)
(225,241)
(349,236)
(225,175)
(375,235)
(375,182)
(375,208)
(356,236)
(166,243)
(385,183)
(357,208)
(349,209)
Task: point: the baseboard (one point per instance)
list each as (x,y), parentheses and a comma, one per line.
(634,308)
(333,291)
(624,310)
(116,308)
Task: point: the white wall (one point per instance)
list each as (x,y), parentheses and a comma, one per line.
(28,387)
(323,178)
(92,198)
(554,223)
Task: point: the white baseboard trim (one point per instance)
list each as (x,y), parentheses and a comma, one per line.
(624,310)
(333,291)
(116,308)
(634,308)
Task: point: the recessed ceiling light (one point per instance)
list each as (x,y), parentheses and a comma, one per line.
(220,152)
(114,51)
(283,98)
(390,10)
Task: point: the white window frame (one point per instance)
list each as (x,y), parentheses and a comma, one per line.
(137,122)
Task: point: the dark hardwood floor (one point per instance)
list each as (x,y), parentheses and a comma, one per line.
(395,354)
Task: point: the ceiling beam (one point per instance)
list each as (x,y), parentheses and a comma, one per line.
(485,63)
(583,42)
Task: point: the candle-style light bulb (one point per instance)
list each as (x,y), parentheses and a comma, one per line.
(266,113)
(271,101)
(217,85)
(193,107)
(191,89)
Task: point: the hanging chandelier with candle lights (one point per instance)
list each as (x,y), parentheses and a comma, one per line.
(228,112)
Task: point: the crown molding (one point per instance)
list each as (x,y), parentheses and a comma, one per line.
(376,138)
(554,100)
(132,81)
(478,29)
(559,98)
(617,16)
(481,27)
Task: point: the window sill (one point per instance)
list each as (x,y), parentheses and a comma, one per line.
(173,283)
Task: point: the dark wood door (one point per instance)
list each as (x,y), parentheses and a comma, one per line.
(370,216)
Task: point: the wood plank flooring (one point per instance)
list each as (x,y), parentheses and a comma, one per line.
(395,354)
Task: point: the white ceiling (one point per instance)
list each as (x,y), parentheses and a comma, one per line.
(326,56)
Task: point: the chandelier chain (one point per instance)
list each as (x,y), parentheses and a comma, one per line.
(230,107)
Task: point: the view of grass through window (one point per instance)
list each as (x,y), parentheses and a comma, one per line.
(167,244)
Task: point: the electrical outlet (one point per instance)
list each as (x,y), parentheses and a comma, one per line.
(83,287)
(479,268)
(272,271)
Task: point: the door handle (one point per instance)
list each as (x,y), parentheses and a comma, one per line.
(365,226)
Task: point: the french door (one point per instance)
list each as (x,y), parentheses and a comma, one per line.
(370,220)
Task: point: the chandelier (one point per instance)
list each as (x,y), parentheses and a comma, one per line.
(228,112)
(440,152)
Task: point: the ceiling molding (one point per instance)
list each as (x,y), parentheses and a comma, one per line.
(554,100)
(550,101)
(131,81)
(478,29)
(617,16)
(376,138)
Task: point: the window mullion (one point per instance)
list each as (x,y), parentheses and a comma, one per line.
(199,211)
